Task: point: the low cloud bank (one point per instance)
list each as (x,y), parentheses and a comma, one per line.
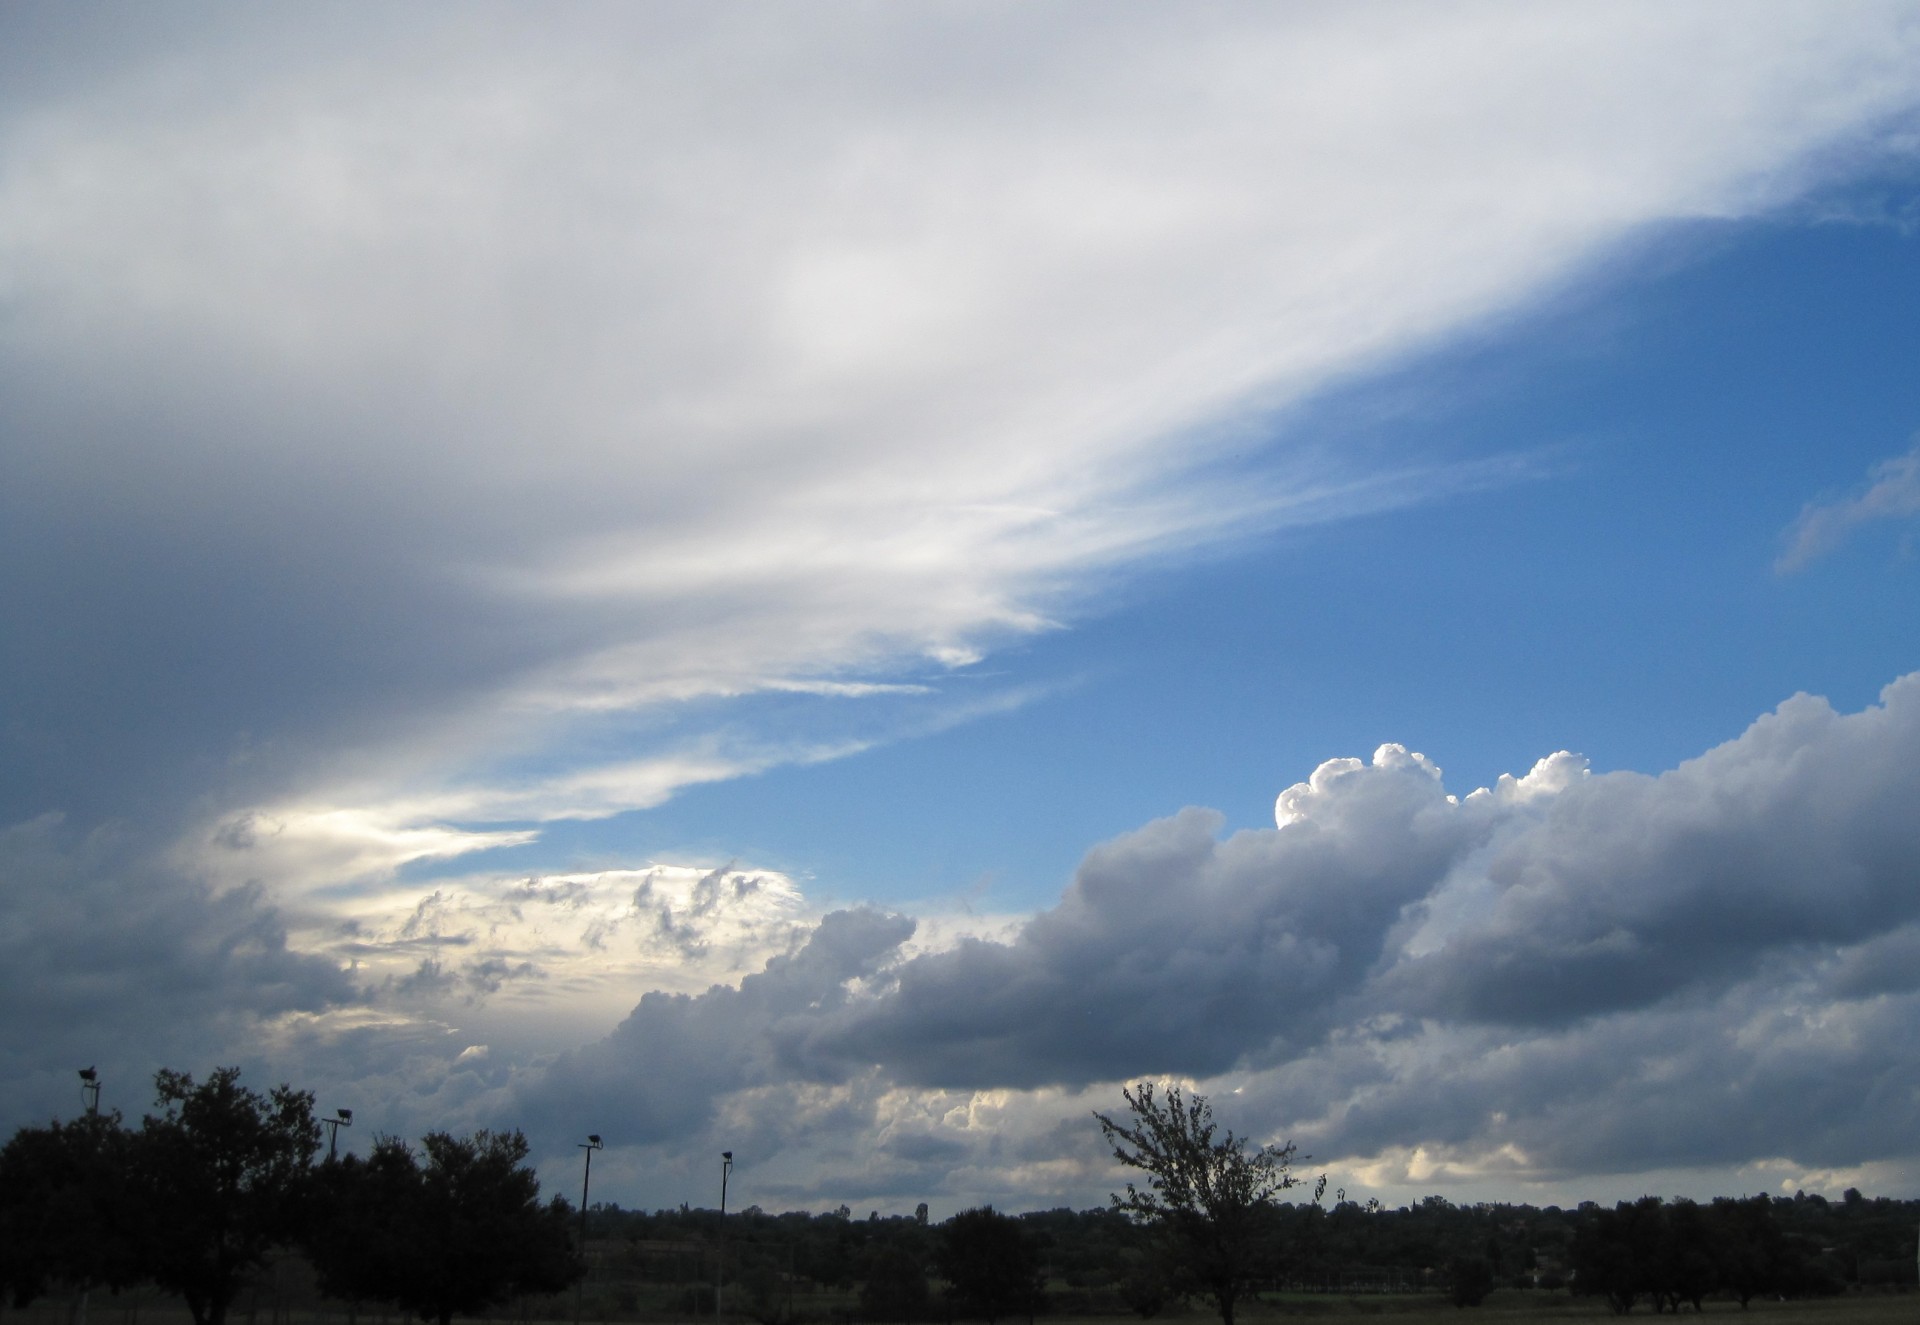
(1568,973)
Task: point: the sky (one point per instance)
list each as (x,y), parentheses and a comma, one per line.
(840,583)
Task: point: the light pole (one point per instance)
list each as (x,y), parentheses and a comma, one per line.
(90,1093)
(591,1144)
(342,1118)
(720,1279)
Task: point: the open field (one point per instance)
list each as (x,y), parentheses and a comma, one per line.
(1502,1308)
(1511,1308)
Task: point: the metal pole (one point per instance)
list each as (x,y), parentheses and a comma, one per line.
(720,1260)
(591,1144)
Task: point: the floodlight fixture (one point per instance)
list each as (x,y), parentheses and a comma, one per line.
(341,1118)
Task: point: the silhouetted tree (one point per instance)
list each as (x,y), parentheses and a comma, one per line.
(896,1284)
(1688,1268)
(453,1235)
(1208,1197)
(220,1175)
(359,1239)
(65,1220)
(1143,1285)
(1469,1280)
(1756,1256)
(986,1259)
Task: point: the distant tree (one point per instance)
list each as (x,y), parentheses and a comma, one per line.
(1469,1280)
(1753,1254)
(65,1218)
(220,1173)
(1210,1198)
(1603,1266)
(1143,1286)
(896,1285)
(765,1292)
(451,1234)
(1688,1264)
(986,1259)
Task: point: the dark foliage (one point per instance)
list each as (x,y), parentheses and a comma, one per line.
(219,1177)
(89,1204)
(989,1264)
(1145,1286)
(453,1235)
(65,1221)
(364,1210)
(1469,1280)
(896,1284)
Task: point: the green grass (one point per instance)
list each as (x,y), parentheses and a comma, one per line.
(1502,1308)
(1518,1308)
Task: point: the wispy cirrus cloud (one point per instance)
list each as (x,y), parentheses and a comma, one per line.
(423,395)
(1892,492)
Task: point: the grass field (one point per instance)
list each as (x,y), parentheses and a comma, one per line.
(1502,1308)
(1528,1308)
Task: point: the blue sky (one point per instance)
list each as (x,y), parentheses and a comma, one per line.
(839,586)
(1669,415)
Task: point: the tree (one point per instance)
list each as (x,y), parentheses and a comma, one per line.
(1143,1286)
(1469,1280)
(896,1284)
(363,1213)
(1209,1198)
(220,1173)
(1755,1255)
(990,1265)
(453,1235)
(64,1215)
(1688,1266)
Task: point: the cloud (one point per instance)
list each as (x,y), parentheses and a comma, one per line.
(106,960)
(1563,974)
(1892,493)
(661,1070)
(419,421)
(427,425)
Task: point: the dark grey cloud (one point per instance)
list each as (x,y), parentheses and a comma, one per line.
(661,1070)
(1631,889)
(1766,1071)
(1173,951)
(107,960)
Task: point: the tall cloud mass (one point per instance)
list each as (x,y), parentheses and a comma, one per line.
(1563,974)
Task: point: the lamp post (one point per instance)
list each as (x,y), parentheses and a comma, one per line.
(591,1144)
(720,1279)
(90,1089)
(341,1118)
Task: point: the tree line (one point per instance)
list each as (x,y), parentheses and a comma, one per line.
(1205,1221)
(1647,1255)
(197,1197)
